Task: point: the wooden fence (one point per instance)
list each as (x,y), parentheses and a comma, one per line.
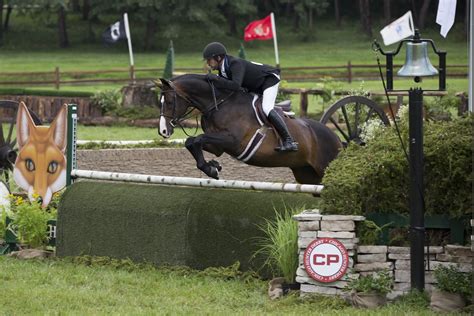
(57,78)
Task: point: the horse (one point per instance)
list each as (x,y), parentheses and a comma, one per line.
(231,126)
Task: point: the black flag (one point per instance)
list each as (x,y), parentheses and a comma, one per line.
(115,32)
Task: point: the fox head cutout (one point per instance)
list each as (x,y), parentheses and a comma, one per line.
(40,167)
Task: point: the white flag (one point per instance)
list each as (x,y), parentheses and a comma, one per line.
(398,29)
(445,16)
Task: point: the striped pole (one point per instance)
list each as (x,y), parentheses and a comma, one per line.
(198,182)
(71,159)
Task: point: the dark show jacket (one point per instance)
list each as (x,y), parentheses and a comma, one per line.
(244,74)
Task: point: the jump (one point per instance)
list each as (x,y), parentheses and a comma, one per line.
(231,126)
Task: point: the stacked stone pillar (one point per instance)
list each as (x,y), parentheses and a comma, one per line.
(365,260)
(313,225)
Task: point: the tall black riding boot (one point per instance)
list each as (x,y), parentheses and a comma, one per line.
(288,143)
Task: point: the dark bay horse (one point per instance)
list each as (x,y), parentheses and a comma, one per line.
(230,124)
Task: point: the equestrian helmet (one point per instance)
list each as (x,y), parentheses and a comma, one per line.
(214,49)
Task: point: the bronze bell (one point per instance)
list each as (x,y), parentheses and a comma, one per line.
(417,63)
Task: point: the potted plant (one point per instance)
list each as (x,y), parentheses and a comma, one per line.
(452,289)
(279,247)
(370,291)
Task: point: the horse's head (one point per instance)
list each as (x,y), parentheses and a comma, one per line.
(173,106)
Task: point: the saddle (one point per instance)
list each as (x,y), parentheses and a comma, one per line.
(283,108)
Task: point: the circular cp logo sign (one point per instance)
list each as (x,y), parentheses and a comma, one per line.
(326,260)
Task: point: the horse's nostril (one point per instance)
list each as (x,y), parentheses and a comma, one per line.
(164,132)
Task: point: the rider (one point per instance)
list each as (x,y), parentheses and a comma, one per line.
(258,78)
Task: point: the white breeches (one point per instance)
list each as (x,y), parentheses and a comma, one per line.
(269,97)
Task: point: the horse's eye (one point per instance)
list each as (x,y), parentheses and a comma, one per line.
(30,165)
(52,167)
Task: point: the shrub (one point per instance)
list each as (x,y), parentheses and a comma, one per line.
(30,221)
(380,283)
(451,280)
(280,245)
(108,100)
(375,177)
(369,232)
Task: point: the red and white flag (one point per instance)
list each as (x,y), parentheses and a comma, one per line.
(259,29)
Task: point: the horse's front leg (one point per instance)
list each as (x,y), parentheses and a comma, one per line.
(216,140)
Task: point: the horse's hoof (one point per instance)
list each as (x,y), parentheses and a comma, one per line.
(214,173)
(215,164)
(211,171)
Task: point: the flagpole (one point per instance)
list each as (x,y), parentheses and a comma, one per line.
(130,51)
(272,17)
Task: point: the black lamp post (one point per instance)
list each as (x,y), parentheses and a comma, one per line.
(417,65)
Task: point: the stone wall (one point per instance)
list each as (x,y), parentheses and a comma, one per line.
(366,260)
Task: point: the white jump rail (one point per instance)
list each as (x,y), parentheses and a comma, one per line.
(197,182)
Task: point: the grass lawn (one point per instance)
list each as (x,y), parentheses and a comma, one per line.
(64,287)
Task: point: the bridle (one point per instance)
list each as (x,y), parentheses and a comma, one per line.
(173,119)
(205,110)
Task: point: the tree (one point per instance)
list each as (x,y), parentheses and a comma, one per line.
(234,10)
(364,9)
(1,22)
(307,9)
(169,66)
(62,28)
(387,12)
(423,12)
(337,14)
(242,53)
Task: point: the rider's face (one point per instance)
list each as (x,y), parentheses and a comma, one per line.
(213,63)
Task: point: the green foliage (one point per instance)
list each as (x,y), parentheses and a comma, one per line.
(374,178)
(451,280)
(380,283)
(368,232)
(414,298)
(108,100)
(442,108)
(280,244)
(30,221)
(242,53)
(169,65)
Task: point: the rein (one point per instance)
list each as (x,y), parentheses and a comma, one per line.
(206,110)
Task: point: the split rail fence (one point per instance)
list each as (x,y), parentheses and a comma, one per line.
(58,78)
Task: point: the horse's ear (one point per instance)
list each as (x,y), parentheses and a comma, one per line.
(158,84)
(163,83)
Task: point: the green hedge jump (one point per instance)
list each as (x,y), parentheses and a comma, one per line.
(192,226)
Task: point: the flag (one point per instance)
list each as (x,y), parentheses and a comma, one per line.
(260,29)
(398,29)
(115,32)
(445,16)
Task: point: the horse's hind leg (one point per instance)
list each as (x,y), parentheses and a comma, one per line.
(306,175)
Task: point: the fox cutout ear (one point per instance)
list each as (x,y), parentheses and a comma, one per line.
(59,128)
(24,124)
